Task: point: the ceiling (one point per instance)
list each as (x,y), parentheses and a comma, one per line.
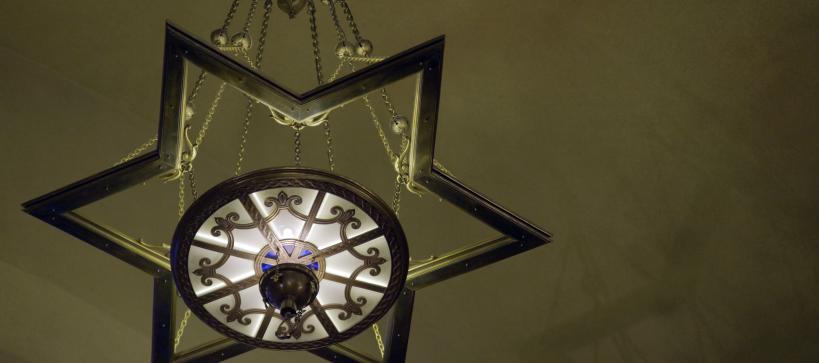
(670,147)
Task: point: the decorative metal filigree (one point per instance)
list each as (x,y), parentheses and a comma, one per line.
(275,249)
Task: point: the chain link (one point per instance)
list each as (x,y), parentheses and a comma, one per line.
(200,137)
(231,13)
(180,211)
(268,5)
(340,35)
(328,136)
(350,20)
(137,151)
(377,333)
(329,140)
(196,87)
(297,145)
(243,141)
(336,72)
(180,204)
(366,59)
(250,13)
(311,10)
(378,128)
(388,102)
(181,330)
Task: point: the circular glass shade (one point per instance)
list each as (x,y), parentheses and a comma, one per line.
(239,229)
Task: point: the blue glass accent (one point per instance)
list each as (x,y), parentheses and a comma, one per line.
(271,255)
(314,266)
(289,249)
(305,253)
(266,267)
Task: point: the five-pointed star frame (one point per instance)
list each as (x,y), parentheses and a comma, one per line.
(423,61)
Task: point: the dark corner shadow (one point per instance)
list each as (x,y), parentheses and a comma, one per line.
(9,357)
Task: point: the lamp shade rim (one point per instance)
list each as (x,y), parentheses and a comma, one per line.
(241,188)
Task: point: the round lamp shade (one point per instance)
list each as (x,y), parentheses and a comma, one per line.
(346,236)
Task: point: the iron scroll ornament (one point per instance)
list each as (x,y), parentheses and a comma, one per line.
(240,188)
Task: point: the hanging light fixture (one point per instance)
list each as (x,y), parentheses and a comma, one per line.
(289,258)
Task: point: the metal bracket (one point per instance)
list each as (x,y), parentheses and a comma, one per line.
(424,61)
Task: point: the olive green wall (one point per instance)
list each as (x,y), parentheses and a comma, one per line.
(670,146)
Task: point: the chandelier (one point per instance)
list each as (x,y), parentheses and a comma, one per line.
(288,258)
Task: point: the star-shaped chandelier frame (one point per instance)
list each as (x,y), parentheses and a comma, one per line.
(424,61)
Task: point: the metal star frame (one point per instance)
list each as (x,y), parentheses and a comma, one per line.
(423,61)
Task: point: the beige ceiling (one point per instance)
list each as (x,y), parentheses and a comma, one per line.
(671,147)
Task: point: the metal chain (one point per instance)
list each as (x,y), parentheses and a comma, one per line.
(200,138)
(378,128)
(231,12)
(181,330)
(311,10)
(180,205)
(378,340)
(336,72)
(350,20)
(250,13)
(184,323)
(340,35)
(391,155)
(196,87)
(243,141)
(268,5)
(366,59)
(297,145)
(209,117)
(328,136)
(137,151)
(192,183)
(329,140)
(401,179)
(388,102)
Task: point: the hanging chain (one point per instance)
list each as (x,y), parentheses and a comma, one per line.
(340,35)
(329,140)
(184,323)
(250,13)
(141,148)
(196,87)
(388,103)
(378,128)
(137,151)
(297,144)
(401,179)
(243,141)
(181,331)
(268,5)
(350,21)
(231,13)
(377,333)
(201,137)
(311,10)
